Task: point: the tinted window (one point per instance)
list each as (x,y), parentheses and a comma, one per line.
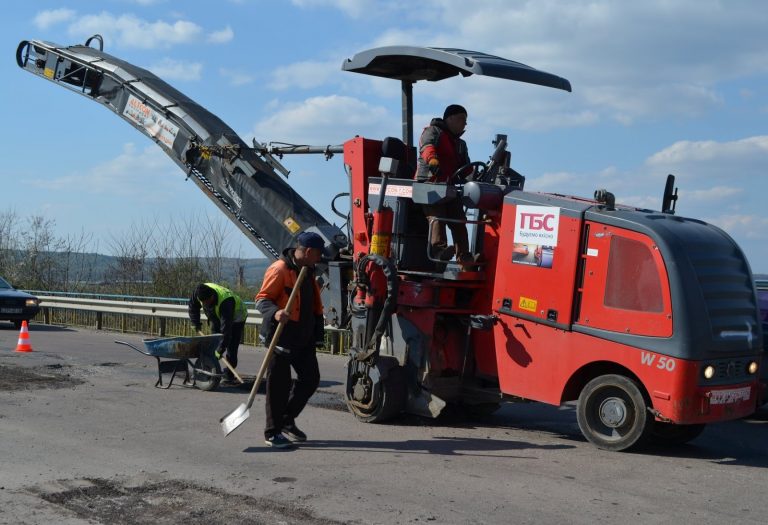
(3,284)
(633,280)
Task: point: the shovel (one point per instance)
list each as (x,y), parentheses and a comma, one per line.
(226,363)
(238,416)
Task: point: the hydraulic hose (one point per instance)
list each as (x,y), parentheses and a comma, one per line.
(390,272)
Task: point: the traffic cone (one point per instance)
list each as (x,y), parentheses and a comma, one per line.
(23,344)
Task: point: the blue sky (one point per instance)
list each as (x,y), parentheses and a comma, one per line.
(658,87)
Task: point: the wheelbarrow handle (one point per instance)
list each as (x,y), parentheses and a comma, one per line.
(276,337)
(135,348)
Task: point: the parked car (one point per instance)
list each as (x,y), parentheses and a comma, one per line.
(762,301)
(15,305)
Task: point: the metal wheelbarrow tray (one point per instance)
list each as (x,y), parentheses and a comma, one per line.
(194,356)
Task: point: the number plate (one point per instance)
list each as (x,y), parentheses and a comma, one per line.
(10,310)
(722,397)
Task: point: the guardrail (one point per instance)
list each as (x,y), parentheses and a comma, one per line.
(159,319)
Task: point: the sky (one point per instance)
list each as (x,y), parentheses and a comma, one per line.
(659,87)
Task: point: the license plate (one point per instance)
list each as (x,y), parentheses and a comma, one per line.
(722,397)
(10,310)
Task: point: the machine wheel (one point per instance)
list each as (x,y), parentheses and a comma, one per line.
(671,434)
(204,381)
(375,401)
(17,324)
(613,413)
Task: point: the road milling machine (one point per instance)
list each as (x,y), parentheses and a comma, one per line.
(648,320)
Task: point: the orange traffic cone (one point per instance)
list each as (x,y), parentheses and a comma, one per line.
(23,344)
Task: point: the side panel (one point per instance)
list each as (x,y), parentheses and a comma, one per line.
(536,278)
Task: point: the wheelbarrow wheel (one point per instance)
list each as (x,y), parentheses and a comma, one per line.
(204,381)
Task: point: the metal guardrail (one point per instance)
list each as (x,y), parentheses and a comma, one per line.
(161,319)
(173,311)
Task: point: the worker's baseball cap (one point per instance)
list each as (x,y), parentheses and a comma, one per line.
(310,240)
(454,109)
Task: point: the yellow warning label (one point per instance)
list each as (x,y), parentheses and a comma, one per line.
(48,72)
(527,304)
(380,244)
(292,225)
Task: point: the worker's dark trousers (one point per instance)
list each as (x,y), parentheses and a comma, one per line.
(286,398)
(234,343)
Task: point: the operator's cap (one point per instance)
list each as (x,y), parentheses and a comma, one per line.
(454,109)
(310,240)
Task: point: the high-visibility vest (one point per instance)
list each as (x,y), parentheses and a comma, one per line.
(222,294)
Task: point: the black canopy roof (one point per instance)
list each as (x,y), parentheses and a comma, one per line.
(411,64)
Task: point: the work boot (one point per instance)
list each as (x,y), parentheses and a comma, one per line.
(443,253)
(228,377)
(468,262)
(278,441)
(293,433)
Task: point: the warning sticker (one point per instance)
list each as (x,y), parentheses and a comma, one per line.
(156,125)
(527,304)
(292,225)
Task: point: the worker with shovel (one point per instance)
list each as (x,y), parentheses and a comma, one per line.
(296,343)
(226,314)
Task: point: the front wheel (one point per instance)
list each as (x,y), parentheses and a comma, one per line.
(210,380)
(375,393)
(613,413)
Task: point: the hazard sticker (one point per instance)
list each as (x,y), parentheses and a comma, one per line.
(292,225)
(527,304)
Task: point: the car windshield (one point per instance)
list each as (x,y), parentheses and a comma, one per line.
(4,285)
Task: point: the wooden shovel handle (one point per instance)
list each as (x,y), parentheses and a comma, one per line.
(276,337)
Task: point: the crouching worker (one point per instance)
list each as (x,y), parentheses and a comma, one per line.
(226,314)
(298,340)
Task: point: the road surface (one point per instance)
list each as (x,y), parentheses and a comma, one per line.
(86,438)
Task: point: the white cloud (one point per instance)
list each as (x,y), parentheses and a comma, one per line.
(144,174)
(351,8)
(132,31)
(221,37)
(304,75)
(169,69)
(711,194)
(236,77)
(550,182)
(752,226)
(325,120)
(51,17)
(719,162)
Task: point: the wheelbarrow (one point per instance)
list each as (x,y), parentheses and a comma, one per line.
(192,356)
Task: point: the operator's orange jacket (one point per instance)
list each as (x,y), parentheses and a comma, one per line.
(279,280)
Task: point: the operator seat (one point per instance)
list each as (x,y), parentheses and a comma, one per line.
(409,231)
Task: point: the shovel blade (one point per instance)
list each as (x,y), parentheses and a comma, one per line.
(234,419)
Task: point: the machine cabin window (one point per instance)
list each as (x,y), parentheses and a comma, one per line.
(633,280)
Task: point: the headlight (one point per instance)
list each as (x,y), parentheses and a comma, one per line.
(752,367)
(31,302)
(709,372)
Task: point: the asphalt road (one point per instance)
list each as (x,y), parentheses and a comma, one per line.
(86,438)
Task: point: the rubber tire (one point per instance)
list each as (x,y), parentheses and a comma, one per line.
(671,434)
(202,381)
(393,396)
(625,394)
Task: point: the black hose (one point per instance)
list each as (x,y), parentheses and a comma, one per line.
(390,272)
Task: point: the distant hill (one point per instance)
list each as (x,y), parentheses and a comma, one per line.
(98,267)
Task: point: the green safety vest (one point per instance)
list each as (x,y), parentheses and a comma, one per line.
(241,312)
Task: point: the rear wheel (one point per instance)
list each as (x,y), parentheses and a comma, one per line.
(203,381)
(671,434)
(374,394)
(613,413)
